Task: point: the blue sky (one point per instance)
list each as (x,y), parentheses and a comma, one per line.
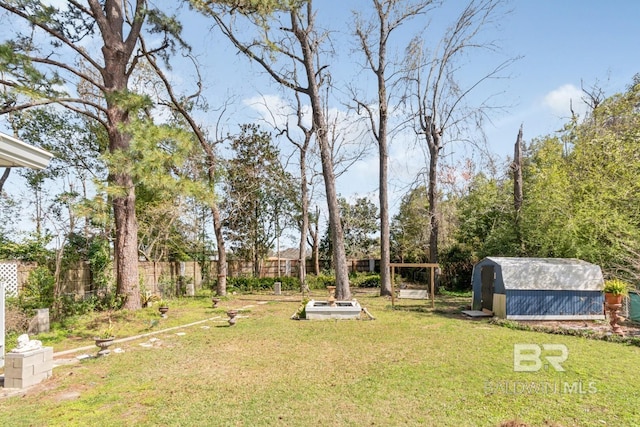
(561,44)
(564,43)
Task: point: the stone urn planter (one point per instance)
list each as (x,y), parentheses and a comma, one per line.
(215,301)
(103,344)
(614,318)
(332,291)
(613,299)
(232,317)
(163,311)
(615,290)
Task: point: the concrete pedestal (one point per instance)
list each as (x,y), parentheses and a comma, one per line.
(40,323)
(26,369)
(324,310)
(191,289)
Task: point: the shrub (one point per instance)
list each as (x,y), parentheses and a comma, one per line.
(166,286)
(38,290)
(301,313)
(71,306)
(321,281)
(365,280)
(16,319)
(253,284)
(457,266)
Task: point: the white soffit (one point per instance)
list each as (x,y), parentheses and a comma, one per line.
(15,153)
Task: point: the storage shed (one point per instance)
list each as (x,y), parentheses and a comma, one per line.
(538,288)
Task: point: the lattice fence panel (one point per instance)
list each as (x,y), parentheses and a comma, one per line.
(9,276)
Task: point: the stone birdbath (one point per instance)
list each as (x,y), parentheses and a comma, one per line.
(232,317)
(103,344)
(332,295)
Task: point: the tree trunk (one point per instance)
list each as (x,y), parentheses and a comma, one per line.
(434,151)
(302,257)
(126,243)
(124,212)
(315,246)
(5,176)
(57,289)
(116,53)
(124,199)
(256,247)
(385,253)
(517,173)
(221,288)
(343,291)
(517,188)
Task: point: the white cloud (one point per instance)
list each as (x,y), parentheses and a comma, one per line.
(561,100)
(273,109)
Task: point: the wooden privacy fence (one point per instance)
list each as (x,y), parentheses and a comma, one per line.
(156,277)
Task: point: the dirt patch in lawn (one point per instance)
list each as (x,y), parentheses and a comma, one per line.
(598,327)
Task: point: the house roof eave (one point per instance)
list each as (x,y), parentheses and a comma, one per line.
(15,153)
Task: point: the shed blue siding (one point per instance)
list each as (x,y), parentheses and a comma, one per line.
(553,303)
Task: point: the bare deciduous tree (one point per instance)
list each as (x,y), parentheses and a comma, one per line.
(438,97)
(303,151)
(373,36)
(518,197)
(289,51)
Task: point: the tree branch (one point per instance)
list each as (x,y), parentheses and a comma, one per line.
(246,50)
(55,34)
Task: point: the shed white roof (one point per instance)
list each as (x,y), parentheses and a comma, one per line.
(15,153)
(549,274)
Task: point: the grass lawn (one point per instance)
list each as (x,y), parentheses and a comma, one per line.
(410,366)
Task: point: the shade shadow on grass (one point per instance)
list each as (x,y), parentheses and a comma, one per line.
(446,306)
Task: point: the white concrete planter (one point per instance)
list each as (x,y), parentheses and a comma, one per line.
(323,310)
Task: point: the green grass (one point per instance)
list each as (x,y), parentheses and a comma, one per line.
(411,366)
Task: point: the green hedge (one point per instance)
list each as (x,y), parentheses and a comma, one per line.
(254,284)
(365,280)
(321,281)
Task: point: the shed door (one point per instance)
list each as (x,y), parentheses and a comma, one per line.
(487,275)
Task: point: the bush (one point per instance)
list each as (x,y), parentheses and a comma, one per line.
(365,280)
(166,286)
(253,284)
(457,267)
(16,319)
(38,290)
(70,306)
(321,281)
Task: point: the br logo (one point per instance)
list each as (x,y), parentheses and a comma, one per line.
(528,357)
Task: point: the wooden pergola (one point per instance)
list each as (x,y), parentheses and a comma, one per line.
(432,270)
